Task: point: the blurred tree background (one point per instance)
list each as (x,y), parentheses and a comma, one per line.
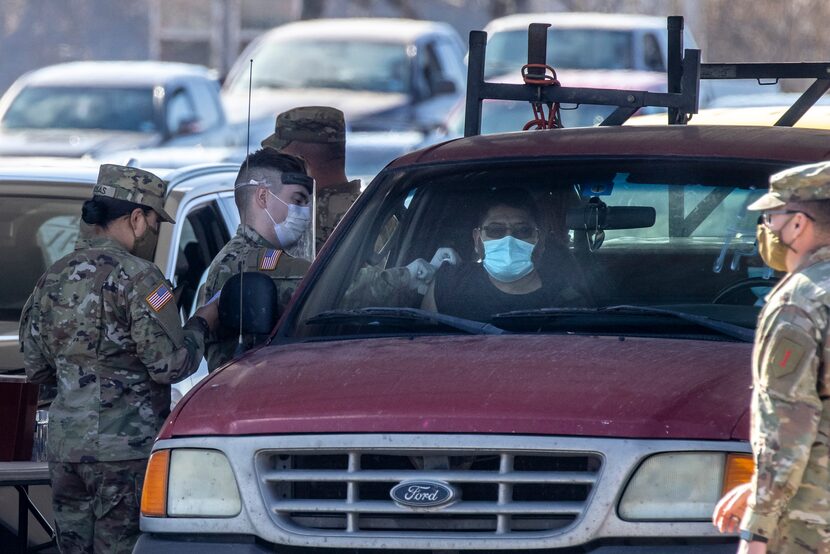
(34,33)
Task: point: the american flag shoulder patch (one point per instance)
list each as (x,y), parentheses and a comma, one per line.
(268,260)
(159,298)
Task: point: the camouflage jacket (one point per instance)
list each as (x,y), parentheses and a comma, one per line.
(379,287)
(332,204)
(104,325)
(248,251)
(791,402)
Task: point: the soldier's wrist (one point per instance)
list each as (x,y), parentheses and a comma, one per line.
(749,536)
(761,525)
(199,324)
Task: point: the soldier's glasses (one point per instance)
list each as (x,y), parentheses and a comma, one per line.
(766,217)
(520,231)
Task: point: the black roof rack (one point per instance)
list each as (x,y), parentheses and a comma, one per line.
(683,88)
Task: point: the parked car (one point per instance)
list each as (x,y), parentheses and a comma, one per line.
(582,40)
(589,41)
(385,74)
(81,108)
(40,209)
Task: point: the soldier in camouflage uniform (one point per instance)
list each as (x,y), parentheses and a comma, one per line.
(318,135)
(103,325)
(786,506)
(272,193)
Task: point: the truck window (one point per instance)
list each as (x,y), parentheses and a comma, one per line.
(205,96)
(652,56)
(181,112)
(34,233)
(203,233)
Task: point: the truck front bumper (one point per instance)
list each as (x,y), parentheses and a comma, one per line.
(244,544)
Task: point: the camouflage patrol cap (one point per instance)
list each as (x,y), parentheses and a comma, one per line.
(321,124)
(132,185)
(803,183)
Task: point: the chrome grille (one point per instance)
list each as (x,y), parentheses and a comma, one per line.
(501,492)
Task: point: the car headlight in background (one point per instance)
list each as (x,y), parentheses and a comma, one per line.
(682,485)
(189,482)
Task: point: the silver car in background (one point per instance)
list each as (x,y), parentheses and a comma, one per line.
(89,108)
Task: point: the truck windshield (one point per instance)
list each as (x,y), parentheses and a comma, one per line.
(34,233)
(565,242)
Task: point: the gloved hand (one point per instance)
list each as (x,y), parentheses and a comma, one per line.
(420,275)
(443,255)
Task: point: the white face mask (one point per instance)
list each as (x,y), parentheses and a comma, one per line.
(296,224)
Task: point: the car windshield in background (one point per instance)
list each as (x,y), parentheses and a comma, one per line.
(319,63)
(34,233)
(114,109)
(567,49)
(649,247)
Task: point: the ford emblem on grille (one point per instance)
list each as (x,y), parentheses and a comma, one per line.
(423,494)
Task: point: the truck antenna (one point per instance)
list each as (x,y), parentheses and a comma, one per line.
(240,344)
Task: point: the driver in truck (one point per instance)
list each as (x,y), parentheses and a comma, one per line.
(509,274)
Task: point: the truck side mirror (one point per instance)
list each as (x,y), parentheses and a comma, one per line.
(256,304)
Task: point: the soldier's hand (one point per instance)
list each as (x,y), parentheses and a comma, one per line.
(420,275)
(730,510)
(210,313)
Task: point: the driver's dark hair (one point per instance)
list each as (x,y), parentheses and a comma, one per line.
(103,210)
(259,163)
(819,210)
(512,197)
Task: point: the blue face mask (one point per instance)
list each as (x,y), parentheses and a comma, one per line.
(507,259)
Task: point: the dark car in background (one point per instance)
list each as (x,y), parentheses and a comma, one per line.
(385,74)
(81,108)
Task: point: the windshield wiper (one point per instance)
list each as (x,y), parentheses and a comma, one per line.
(369,315)
(728,329)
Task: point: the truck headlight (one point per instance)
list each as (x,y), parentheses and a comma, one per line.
(190,482)
(682,485)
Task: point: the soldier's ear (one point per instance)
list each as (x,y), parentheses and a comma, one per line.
(138,221)
(261,197)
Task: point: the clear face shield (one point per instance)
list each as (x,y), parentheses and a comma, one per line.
(304,247)
(296,233)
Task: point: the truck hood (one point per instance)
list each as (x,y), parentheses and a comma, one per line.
(70,143)
(10,356)
(523,384)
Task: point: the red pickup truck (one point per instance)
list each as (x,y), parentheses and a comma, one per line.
(581,387)
(612,426)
